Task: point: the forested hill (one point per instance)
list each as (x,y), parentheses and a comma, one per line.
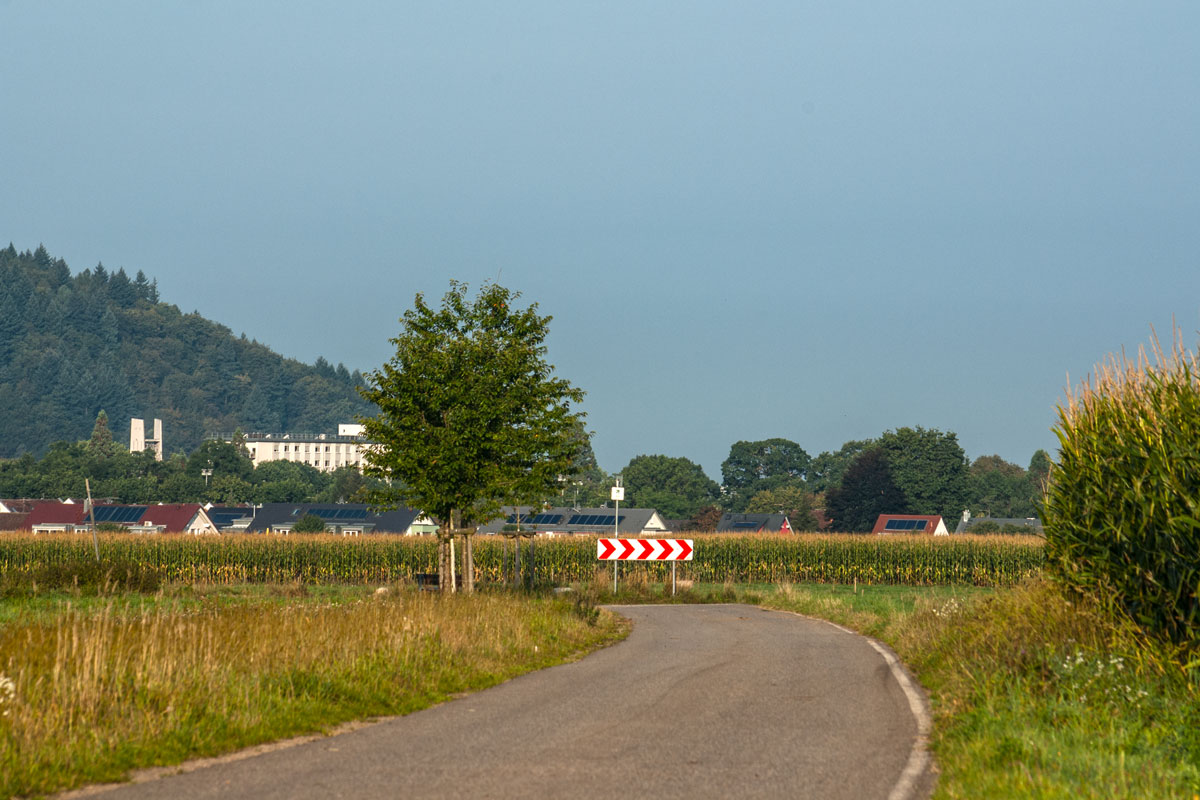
(73,345)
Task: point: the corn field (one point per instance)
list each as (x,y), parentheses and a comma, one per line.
(911,560)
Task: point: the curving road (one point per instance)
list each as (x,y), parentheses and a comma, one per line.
(699,701)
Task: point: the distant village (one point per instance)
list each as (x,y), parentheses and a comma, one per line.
(347,448)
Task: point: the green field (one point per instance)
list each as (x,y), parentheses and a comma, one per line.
(177,647)
(908,560)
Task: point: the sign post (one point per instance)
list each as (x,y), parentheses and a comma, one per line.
(617,550)
(618,494)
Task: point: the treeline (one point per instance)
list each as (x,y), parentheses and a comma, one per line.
(120,476)
(71,345)
(905,471)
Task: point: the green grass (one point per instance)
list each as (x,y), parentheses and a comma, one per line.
(101,686)
(1033,695)
(50,605)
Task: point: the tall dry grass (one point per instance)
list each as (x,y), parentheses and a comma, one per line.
(95,694)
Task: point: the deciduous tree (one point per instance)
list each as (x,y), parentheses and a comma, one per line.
(867,490)
(471,417)
(929,467)
(791,499)
(677,487)
(826,470)
(753,467)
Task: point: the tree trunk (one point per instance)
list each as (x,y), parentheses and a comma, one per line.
(468,563)
(441,555)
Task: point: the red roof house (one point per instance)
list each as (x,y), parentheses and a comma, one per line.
(911,523)
(174,518)
(52,516)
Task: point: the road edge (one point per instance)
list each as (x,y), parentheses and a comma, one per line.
(919,776)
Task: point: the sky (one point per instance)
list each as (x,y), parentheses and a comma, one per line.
(814,221)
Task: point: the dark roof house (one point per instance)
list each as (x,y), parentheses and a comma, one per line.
(344,518)
(969,524)
(754,523)
(567,520)
(234,519)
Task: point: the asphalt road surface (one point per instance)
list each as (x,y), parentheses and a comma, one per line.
(699,701)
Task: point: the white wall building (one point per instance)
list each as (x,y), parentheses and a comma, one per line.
(138,441)
(324,451)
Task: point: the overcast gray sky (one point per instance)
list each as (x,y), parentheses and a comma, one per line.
(816,221)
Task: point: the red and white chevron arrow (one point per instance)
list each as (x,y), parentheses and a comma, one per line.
(644,549)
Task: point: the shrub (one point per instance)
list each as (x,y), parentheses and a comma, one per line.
(309,523)
(81,574)
(1122,514)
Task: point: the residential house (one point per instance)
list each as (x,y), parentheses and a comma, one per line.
(754,523)
(569,521)
(969,524)
(348,519)
(911,523)
(56,517)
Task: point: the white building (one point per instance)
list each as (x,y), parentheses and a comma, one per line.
(138,441)
(324,451)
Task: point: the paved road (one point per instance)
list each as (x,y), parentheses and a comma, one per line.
(699,701)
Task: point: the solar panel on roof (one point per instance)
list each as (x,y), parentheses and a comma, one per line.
(119,514)
(745,524)
(920,524)
(593,520)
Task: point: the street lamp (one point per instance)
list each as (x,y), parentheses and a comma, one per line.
(207,473)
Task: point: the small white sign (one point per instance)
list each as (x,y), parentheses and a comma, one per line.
(618,493)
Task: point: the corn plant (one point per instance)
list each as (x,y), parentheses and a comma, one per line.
(1122,515)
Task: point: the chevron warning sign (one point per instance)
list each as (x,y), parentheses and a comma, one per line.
(644,549)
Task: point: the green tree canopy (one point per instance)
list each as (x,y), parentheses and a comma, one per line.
(998,488)
(223,458)
(677,487)
(791,499)
(930,468)
(101,444)
(309,523)
(1039,474)
(753,467)
(470,415)
(826,470)
(866,491)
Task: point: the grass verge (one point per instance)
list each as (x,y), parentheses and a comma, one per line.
(1033,694)
(89,693)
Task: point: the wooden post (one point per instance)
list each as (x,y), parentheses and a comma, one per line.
(469,565)
(441,556)
(517,571)
(92,513)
